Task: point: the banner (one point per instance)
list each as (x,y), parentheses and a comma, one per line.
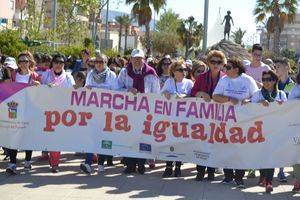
(150,126)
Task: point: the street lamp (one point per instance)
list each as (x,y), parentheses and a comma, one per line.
(204,44)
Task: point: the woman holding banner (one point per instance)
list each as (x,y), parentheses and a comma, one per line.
(26,76)
(137,77)
(267,94)
(295,94)
(180,87)
(234,88)
(57,77)
(204,87)
(99,77)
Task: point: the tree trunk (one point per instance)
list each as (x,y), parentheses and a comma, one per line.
(120,37)
(126,35)
(276,41)
(148,39)
(268,41)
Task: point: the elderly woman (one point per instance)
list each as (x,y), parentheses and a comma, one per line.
(22,75)
(100,77)
(267,94)
(204,87)
(179,86)
(57,77)
(236,87)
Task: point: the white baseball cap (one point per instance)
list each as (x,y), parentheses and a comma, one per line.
(11,63)
(137,53)
(188,62)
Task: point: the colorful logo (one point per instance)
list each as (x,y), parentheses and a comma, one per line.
(145,147)
(12,109)
(106,144)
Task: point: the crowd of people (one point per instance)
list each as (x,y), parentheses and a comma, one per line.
(213,78)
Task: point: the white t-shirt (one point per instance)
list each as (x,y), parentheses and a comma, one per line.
(295,93)
(256,72)
(257,96)
(67,83)
(242,87)
(183,87)
(22,78)
(110,82)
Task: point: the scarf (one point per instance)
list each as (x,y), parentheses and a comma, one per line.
(270,97)
(138,79)
(57,80)
(99,77)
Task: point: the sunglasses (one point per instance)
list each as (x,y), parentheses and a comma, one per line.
(257,54)
(99,61)
(228,67)
(215,62)
(181,69)
(23,61)
(199,71)
(167,63)
(267,79)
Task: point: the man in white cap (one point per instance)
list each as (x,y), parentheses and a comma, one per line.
(137,77)
(4,73)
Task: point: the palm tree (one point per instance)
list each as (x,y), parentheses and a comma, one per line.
(281,11)
(141,11)
(190,33)
(238,35)
(120,21)
(127,23)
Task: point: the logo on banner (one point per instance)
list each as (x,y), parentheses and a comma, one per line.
(106,144)
(172,148)
(145,147)
(12,109)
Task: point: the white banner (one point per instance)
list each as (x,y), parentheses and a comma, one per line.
(149,126)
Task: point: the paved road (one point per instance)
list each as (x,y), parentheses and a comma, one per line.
(71,184)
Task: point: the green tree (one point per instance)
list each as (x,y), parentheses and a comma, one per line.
(190,33)
(168,21)
(141,11)
(281,11)
(127,23)
(10,43)
(238,35)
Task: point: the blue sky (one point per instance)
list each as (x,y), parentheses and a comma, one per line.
(242,13)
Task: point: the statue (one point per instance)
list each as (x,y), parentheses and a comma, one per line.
(227,28)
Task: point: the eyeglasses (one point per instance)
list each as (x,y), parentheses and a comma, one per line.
(99,61)
(181,69)
(215,62)
(228,67)
(268,79)
(23,61)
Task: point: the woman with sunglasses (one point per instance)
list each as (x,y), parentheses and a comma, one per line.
(180,87)
(236,87)
(203,88)
(198,68)
(57,77)
(100,77)
(267,94)
(22,75)
(163,69)
(295,95)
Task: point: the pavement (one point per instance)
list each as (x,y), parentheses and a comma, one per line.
(71,184)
